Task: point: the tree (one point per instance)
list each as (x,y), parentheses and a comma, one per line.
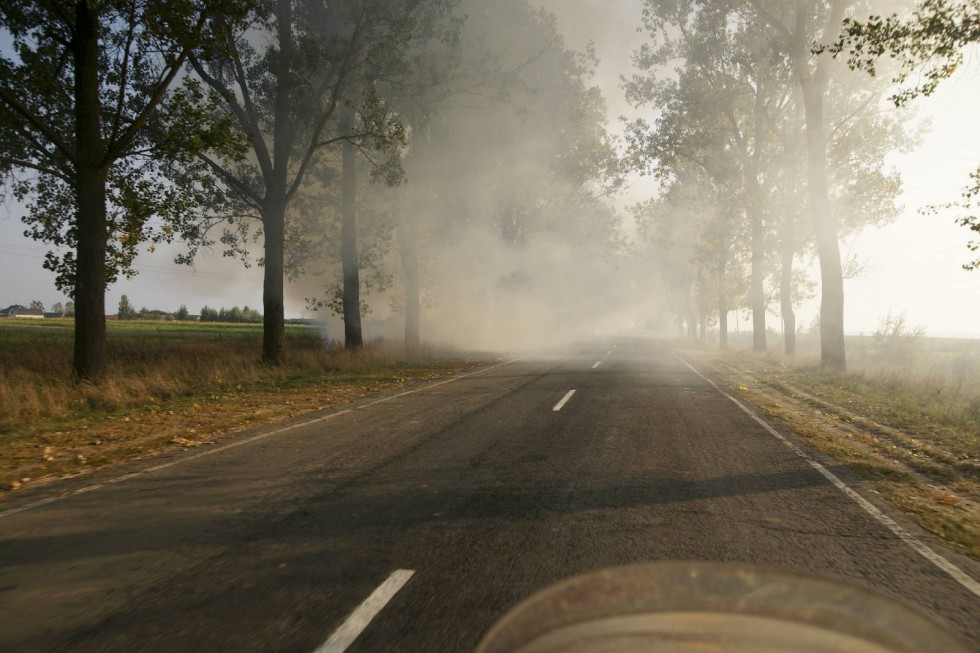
(58,308)
(392,80)
(287,100)
(934,38)
(69,309)
(794,26)
(82,88)
(506,172)
(733,110)
(719,112)
(182,314)
(36,305)
(970,197)
(126,310)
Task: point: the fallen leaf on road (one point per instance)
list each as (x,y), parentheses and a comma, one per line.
(949,499)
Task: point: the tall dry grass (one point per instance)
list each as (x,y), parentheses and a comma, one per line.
(36,382)
(910,380)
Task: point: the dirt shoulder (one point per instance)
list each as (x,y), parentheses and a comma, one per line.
(927,468)
(46,450)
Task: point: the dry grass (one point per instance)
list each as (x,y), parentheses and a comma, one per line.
(172,385)
(914,434)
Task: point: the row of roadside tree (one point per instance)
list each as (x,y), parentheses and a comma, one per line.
(454,145)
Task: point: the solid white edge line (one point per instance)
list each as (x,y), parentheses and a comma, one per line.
(359,619)
(254,438)
(597,364)
(955,572)
(564,400)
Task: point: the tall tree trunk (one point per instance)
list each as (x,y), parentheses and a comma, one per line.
(408,252)
(273,305)
(692,320)
(702,311)
(757,295)
(757,291)
(90,193)
(274,209)
(722,298)
(353,338)
(826,228)
(786,299)
(813,83)
(413,304)
(90,274)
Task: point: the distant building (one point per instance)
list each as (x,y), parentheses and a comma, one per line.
(52,314)
(20,311)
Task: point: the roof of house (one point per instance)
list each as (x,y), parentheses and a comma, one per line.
(17,309)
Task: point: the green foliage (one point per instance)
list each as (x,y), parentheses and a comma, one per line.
(724,80)
(969,202)
(895,344)
(36,305)
(972,222)
(142,131)
(152,314)
(125,310)
(933,38)
(234,315)
(339,56)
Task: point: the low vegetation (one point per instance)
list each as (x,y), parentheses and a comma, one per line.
(906,416)
(172,385)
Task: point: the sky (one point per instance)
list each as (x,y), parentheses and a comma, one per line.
(912,265)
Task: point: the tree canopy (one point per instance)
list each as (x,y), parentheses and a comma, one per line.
(931,42)
(88,128)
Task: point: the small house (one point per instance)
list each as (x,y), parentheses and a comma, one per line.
(20,311)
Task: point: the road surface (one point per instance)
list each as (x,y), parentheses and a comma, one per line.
(446,506)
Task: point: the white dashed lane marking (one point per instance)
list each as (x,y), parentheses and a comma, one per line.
(359,619)
(564,400)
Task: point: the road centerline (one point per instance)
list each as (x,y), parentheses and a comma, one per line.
(564,400)
(354,625)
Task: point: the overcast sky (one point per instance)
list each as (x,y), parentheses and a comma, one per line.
(914,264)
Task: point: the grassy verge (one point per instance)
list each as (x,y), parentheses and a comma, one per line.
(171,385)
(918,446)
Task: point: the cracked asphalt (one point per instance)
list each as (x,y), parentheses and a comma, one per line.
(479,486)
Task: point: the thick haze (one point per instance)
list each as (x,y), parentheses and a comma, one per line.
(565,271)
(914,264)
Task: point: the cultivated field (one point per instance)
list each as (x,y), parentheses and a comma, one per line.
(171,384)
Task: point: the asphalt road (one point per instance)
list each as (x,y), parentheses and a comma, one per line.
(478,486)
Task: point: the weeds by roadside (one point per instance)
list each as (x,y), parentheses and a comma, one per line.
(914,437)
(172,385)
